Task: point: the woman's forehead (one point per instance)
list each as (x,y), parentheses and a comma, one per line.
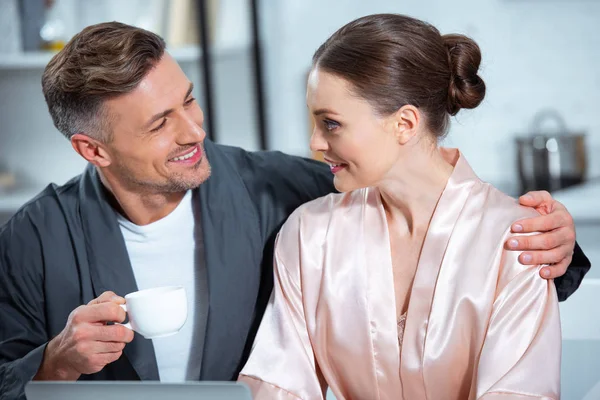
(324,87)
(328,91)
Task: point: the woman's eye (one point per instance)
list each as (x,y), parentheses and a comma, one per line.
(330,125)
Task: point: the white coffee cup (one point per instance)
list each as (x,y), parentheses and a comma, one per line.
(156,312)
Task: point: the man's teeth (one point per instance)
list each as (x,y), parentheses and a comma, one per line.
(188,155)
(335,165)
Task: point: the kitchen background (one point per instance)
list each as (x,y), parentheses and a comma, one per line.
(538,55)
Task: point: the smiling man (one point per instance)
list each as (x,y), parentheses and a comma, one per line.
(160,205)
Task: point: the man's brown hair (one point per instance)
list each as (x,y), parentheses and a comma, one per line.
(99,63)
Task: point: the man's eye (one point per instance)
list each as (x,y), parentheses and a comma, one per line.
(158,128)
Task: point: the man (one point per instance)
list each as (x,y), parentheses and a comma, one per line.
(145,213)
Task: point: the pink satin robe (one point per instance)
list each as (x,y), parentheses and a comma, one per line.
(479,324)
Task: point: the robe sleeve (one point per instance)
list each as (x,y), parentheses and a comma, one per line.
(22,324)
(282,364)
(567,284)
(520,358)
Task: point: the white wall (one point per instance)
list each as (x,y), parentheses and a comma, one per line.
(536,54)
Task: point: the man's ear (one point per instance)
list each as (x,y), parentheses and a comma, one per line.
(91,150)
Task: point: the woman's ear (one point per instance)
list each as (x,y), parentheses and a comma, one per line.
(91,150)
(406,123)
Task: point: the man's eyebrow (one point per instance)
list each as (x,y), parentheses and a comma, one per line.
(158,116)
(189,91)
(163,114)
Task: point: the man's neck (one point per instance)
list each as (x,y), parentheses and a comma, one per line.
(141,208)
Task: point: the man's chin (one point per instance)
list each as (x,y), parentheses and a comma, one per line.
(199,176)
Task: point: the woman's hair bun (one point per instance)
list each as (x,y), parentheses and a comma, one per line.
(466,89)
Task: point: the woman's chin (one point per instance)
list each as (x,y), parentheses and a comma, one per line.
(345,185)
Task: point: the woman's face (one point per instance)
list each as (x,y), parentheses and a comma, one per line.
(360,146)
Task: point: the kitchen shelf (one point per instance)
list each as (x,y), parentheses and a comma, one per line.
(39,59)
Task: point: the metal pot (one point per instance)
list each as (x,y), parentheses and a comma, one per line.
(551,159)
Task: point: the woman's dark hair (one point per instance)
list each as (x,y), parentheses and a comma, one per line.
(393,60)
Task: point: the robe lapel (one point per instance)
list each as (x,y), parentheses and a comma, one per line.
(444,219)
(382,304)
(109,263)
(233,254)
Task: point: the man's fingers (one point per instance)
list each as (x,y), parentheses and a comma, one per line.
(91,337)
(90,347)
(102,312)
(108,347)
(541,241)
(114,333)
(556,270)
(542,223)
(106,297)
(535,198)
(554,256)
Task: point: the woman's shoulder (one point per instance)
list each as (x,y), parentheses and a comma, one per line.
(327,207)
(502,207)
(309,225)
(501,212)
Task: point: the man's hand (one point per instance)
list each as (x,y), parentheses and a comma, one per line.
(554,245)
(87,344)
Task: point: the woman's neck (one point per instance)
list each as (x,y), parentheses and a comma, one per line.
(413,187)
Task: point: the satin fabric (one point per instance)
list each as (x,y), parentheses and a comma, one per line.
(479,324)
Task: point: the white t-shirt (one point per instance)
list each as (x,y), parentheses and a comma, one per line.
(165,253)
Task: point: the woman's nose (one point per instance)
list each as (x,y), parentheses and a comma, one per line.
(318,142)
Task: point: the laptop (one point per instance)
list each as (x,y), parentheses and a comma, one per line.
(148,390)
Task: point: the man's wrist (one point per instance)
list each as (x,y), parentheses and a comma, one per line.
(51,370)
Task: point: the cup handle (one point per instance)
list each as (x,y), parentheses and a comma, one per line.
(127,325)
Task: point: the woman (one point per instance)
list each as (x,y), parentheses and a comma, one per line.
(400,287)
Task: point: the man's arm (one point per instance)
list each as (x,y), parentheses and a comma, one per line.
(568,283)
(86,344)
(22,331)
(309,178)
(290,180)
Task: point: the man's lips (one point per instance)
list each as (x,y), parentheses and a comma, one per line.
(190,154)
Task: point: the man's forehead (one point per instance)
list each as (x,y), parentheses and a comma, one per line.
(165,80)
(162,88)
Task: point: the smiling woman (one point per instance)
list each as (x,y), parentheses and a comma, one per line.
(383,287)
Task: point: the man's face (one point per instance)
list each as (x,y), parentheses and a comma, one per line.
(157,135)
